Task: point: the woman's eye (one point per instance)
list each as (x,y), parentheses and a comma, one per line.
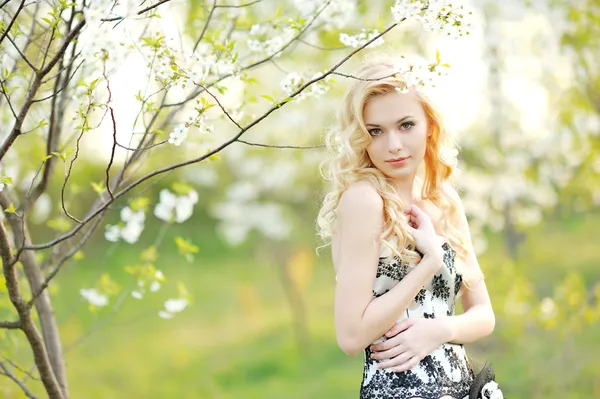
(375,132)
(407,125)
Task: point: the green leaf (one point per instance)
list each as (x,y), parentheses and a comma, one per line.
(139,204)
(149,254)
(185,247)
(268,97)
(437,56)
(93,84)
(6,179)
(59,224)
(99,187)
(11,209)
(47,20)
(181,188)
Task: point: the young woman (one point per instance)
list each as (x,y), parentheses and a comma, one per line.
(401,245)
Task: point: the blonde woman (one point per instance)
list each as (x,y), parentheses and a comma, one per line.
(401,245)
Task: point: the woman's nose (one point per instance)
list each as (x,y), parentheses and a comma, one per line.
(394,143)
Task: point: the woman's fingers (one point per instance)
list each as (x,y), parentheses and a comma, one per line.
(396,362)
(388,354)
(406,365)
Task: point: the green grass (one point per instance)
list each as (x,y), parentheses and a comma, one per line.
(237,338)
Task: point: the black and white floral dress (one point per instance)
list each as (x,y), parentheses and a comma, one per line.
(445,373)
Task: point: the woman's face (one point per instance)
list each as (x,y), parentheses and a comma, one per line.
(398,126)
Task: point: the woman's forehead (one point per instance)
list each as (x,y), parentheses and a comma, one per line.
(391,107)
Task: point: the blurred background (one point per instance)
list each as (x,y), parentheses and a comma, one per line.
(251,311)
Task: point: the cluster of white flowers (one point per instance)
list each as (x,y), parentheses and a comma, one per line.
(265,38)
(337,14)
(239,218)
(173,306)
(2,185)
(178,135)
(175,208)
(435,15)
(155,285)
(132,229)
(94,297)
(418,73)
(361,38)
(293,81)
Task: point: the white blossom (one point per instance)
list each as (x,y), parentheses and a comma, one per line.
(407,9)
(137,294)
(291,82)
(2,185)
(112,233)
(435,15)
(361,38)
(131,231)
(155,286)
(94,297)
(172,207)
(175,305)
(178,135)
(165,315)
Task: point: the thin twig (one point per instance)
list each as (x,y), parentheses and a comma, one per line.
(282,146)
(10,375)
(210,14)
(221,106)
(239,6)
(12,21)
(322,48)
(20,368)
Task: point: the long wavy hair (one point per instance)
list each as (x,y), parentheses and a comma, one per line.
(348,163)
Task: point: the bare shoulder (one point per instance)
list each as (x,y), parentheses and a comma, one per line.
(360,198)
(452,193)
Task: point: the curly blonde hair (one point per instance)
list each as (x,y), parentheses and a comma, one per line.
(348,163)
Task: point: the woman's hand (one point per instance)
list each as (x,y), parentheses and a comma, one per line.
(409,341)
(422,230)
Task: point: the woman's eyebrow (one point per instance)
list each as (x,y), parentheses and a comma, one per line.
(397,122)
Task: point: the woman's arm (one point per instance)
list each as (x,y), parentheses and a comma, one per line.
(478,320)
(360,319)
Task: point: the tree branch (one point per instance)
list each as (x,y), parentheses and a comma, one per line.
(10,325)
(28,326)
(10,375)
(282,146)
(239,6)
(258,63)
(47,352)
(12,21)
(210,14)
(39,75)
(157,172)
(221,106)
(138,13)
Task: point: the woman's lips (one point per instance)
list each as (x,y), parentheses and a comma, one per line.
(398,162)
